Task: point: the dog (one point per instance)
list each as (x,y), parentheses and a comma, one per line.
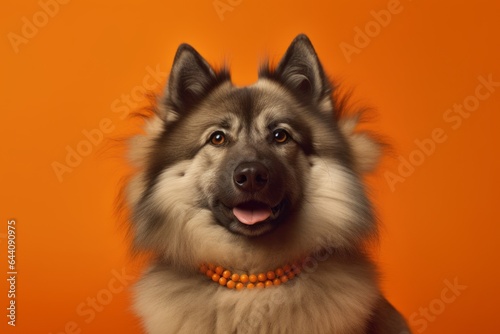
(252,201)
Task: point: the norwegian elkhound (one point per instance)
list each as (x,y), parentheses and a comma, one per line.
(252,201)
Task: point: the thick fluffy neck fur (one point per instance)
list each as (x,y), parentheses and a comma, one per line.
(334,296)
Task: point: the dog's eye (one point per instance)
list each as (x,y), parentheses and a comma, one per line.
(280,136)
(218,138)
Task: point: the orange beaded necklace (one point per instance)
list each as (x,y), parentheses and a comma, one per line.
(262,280)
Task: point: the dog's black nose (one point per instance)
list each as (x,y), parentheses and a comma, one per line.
(251,176)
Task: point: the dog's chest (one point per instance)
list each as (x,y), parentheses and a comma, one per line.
(316,302)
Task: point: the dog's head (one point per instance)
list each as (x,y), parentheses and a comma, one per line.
(242,171)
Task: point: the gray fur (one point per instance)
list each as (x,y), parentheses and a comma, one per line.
(180,195)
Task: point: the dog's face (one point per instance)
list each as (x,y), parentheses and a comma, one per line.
(256,160)
(247,164)
(255,144)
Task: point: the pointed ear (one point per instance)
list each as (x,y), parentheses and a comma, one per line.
(300,71)
(191,78)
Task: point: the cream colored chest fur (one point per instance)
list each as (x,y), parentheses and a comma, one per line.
(331,298)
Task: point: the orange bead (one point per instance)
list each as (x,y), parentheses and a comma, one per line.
(261,280)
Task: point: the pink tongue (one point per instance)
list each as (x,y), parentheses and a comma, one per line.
(252,214)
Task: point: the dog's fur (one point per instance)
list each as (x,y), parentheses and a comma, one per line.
(184,192)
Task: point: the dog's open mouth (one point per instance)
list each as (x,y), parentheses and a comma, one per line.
(253,218)
(250,213)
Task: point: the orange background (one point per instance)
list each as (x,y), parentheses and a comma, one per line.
(440,224)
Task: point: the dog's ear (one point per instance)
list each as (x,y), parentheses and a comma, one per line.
(300,71)
(191,78)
